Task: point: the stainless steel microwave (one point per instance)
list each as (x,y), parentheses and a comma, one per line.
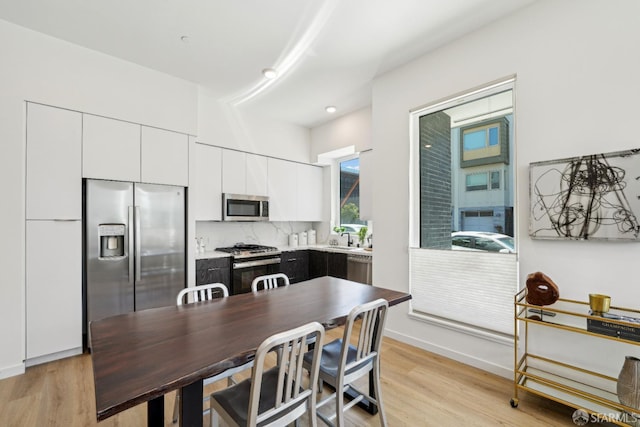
(241,207)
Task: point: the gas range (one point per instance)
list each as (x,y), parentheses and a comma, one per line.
(249,262)
(243,250)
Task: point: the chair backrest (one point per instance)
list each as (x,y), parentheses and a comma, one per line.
(269,281)
(290,391)
(372,317)
(203,293)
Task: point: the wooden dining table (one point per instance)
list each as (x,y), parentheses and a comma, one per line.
(140,356)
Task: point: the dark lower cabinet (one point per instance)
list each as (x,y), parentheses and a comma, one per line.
(327,264)
(214,270)
(317,264)
(295,265)
(337,265)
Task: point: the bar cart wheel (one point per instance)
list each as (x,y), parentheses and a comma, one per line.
(514,402)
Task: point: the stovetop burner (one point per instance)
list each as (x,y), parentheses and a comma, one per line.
(244,249)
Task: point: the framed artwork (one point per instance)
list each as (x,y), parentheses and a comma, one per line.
(586,198)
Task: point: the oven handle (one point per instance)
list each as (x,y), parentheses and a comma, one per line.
(257,263)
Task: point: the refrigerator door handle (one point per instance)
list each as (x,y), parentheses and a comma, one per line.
(137,244)
(131,245)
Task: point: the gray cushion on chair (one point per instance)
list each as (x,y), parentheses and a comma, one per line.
(330,358)
(235,399)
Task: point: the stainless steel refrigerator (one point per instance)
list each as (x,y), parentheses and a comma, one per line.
(134,246)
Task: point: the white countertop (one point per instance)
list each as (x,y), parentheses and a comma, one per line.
(325,248)
(212,254)
(329,248)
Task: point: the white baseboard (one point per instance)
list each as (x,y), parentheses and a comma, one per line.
(12,371)
(53,356)
(506,372)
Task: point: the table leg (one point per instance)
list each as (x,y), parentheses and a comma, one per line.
(155,412)
(191,405)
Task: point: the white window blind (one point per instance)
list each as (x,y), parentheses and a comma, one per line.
(473,288)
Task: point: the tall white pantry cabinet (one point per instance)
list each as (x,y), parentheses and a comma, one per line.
(53,233)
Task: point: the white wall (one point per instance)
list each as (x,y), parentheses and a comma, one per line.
(225,126)
(577,90)
(350,129)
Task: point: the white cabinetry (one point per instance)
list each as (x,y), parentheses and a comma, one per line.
(53,289)
(110,149)
(257,167)
(244,173)
(283,191)
(123,151)
(295,191)
(207,186)
(310,193)
(54,163)
(234,172)
(164,156)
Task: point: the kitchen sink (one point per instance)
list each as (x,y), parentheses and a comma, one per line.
(350,249)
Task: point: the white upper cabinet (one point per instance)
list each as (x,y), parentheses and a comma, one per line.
(234,172)
(283,190)
(366,185)
(244,173)
(110,149)
(54,163)
(164,157)
(207,186)
(257,167)
(310,193)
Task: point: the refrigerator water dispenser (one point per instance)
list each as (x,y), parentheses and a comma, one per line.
(111,240)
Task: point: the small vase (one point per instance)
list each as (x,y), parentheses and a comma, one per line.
(628,387)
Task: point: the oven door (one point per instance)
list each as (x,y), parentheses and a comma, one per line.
(247,269)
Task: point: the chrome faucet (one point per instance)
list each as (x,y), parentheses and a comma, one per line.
(349,239)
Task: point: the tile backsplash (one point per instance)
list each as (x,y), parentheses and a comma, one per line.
(222,234)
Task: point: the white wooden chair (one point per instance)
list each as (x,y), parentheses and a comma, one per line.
(275,396)
(342,363)
(198,294)
(269,281)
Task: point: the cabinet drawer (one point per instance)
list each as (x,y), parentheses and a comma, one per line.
(213,270)
(295,265)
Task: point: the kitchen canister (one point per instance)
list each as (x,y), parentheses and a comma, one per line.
(293,239)
(311,237)
(302,238)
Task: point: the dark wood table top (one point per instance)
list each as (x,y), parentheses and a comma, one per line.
(143,355)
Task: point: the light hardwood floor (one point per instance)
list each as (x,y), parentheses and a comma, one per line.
(419,389)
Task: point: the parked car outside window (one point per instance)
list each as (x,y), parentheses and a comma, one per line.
(482,241)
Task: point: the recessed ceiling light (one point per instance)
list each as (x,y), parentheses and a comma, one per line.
(184,39)
(331,109)
(269,73)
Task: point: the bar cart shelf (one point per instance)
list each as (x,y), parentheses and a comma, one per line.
(570,385)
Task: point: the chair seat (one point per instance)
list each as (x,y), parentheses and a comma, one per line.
(330,360)
(235,399)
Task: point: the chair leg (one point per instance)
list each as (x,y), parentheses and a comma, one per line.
(215,422)
(340,405)
(378,391)
(313,418)
(176,407)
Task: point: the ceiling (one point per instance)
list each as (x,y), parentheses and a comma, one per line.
(327,52)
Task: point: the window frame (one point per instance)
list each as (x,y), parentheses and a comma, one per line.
(336,196)
(424,262)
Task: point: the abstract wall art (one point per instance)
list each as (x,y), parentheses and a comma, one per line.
(588,197)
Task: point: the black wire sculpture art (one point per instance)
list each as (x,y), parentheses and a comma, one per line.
(588,197)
